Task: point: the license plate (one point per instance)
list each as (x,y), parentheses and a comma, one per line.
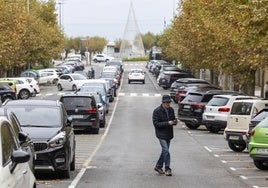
(186,106)
(262,151)
(77,116)
(210,117)
(233,137)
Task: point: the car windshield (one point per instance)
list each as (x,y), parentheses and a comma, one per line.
(92,89)
(37,116)
(79,77)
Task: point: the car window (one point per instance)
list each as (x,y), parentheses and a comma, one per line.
(77,102)
(262,115)
(218,101)
(37,116)
(193,97)
(8,143)
(241,108)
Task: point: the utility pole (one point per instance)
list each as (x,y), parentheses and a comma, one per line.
(60,13)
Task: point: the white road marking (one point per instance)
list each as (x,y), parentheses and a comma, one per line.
(232,168)
(207,148)
(244,177)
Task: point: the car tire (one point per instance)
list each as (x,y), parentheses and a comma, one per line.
(143,82)
(237,147)
(261,164)
(66,173)
(55,81)
(192,126)
(59,87)
(129,81)
(212,129)
(72,165)
(102,124)
(6,98)
(24,94)
(74,88)
(95,130)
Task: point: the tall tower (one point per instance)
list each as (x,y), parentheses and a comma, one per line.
(131,45)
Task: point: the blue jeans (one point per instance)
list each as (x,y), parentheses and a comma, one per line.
(165,156)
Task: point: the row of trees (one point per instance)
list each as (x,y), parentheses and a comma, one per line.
(29,33)
(227,37)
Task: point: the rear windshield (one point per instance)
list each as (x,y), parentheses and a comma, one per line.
(241,108)
(71,102)
(193,98)
(218,101)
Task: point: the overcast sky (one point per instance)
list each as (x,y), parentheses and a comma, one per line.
(108,18)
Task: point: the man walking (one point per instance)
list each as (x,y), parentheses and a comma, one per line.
(164,120)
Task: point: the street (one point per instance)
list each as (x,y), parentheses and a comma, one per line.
(124,153)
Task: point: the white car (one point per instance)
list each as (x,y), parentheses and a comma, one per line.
(101,58)
(236,131)
(136,75)
(35,85)
(14,168)
(218,109)
(71,81)
(48,78)
(24,89)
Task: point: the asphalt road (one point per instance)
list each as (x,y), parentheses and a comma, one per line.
(126,150)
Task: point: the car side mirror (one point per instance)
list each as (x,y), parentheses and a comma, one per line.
(17,157)
(22,137)
(69,121)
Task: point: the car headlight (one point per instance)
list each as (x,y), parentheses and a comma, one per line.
(57,140)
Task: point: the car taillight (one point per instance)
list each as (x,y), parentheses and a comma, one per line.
(182,91)
(202,106)
(252,132)
(92,110)
(224,109)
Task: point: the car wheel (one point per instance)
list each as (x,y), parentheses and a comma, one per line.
(66,173)
(143,82)
(212,129)
(72,165)
(74,88)
(192,126)
(24,94)
(237,147)
(6,98)
(95,130)
(129,81)
(59,87)
(261,164)
(102,124)
(55,81)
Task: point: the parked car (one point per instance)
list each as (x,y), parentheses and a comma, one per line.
(191,108)
(258,145)
(217,111)
(84,73)
(71,81)
(31,73)
(34,84)
(184,82)
(23,88)
(6,92)
(14,169)
(89,88)
(25,141)
(136,75)
(116,62)
(48,78)
(166,78)
(183,91)
(101,108)
(238,121)
(48,125)
(101,58)
(82,107)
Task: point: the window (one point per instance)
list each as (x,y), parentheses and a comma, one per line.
(8,143)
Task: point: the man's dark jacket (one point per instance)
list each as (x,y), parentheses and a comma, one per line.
(160,120)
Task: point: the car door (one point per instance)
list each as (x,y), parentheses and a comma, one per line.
(19,177)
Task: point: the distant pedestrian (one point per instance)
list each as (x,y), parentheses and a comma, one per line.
(265,89)
(91,73)
(163,120)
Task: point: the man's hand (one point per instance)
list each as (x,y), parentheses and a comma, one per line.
(173,122)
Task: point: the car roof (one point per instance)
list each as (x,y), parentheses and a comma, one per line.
(31,102)
(174,72)
(79,94)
